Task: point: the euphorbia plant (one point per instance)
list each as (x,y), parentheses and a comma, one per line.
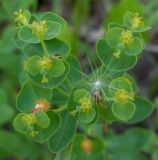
(57,98)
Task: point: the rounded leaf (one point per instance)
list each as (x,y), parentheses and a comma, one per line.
(25,34)
(118,84)
(93,146)
(72,79)
(19,44)
(143,109)
(27,15)
(57,69)
(134,84)
(19,125)
(45,133)
(127,19)
(63,137)
(29,94)
(113,36)
(135,48)
(33,65)
(50,16)
(108,58)
(23,77)
(108,115)
(54,30)
(122,111)
(86,116)
(75,73)
(59,48)
(114,24)
(79,94)
(42,120)
(98,145)
(52,82)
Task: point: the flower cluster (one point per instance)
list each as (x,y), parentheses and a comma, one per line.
(41,104)
(39,28)
(21,18)
(87,145)
(86,104)
(137,21)
(127,37)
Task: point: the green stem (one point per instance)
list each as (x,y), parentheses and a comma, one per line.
(44,47)
(62,92)
(60,109)
(69,151)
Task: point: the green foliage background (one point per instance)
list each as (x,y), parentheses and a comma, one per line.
(86,23)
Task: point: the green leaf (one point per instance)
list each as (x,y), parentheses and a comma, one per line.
(86,116)
(135,48)
(19,125)
(134,85)
(52,82)
(106,56)
(57,69)
(108,115)
(45,133)
(29,94)
(54,30)
(128,156)
(79,94)
(34,50)
(78,151)
(87,157)
(54,47)
(143,109)
(127,19)
(146,28)
(123,111)
(132,141)
(75,73)
(118,84)
(42,120)
(59,98)
(152,142)
(71,104)
(63,137)
(6,113)
(111,35)
(10,145)
(23,77)
(19,44)
(114,25)
(33,65)
(27,15)
(69,83)
(50,16)
(98,146)
(25,34)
